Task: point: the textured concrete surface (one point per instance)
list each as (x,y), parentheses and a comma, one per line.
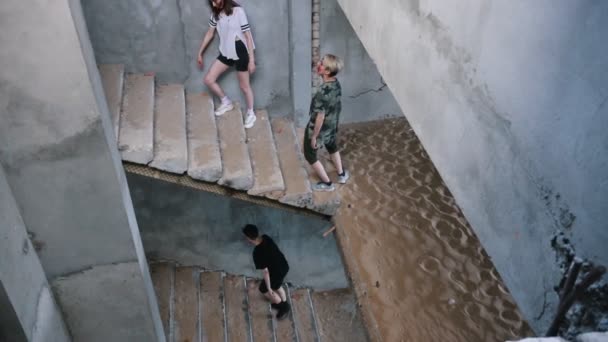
(237,320)
(163,277)
(58,148)
(236,164)
(297,186)
(338,318)
(365,95)
(136,141)
(212,306)
(170,145)
(267,175)
(86,314)
(304,316)
(260,313)
(28,311)
(204,158)
(193,227)
(510,104)
(164,36)
(112,76)
(300,40)
(186,295)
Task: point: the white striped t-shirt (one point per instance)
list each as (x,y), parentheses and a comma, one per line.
(229,27)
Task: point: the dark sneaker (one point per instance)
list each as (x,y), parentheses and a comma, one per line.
(283,311)
(322,186)
(275,306)
(342,179)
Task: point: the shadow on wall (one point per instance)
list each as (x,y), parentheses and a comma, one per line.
(197,228)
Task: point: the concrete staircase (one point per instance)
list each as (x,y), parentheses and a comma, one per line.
(168,129)
(204,306)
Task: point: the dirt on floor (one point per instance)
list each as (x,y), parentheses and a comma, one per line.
(419,271)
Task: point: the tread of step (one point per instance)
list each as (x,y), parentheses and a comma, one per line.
(236,309)
(323,202)
(170,145)
(338,316)
(259,312)
(162,278)
(204,158)
(112,77)
(297,186)
(212,307)
(186,304)
(237,172)
(304,315)
(136,134)
(267,176)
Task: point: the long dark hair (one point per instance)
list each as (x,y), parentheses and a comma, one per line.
(228,6)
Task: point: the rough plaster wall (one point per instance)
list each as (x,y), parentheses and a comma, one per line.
(114,288)
(509,100)
(194,227)
(59,151)
(163,36)
(28,311)
(365,96)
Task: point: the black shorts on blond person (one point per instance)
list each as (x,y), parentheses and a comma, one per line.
(242,64)
(310,154)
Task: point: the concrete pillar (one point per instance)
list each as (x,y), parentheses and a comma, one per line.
(300,58)
(59,152)
(28,311)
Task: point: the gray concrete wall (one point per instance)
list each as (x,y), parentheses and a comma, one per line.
(365,96)
(194,227)
(509,100)
(60,157)
(163,36)
(28,311)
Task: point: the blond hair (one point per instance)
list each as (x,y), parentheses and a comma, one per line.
(333,64)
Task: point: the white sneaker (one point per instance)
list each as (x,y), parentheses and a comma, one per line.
(344,178)
(250,120)
(224,108)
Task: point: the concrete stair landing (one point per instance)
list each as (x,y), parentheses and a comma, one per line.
(198,305)
(165,128)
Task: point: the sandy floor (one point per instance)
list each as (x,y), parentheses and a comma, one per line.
(420,272)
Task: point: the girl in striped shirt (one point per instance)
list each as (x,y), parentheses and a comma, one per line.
(236,49)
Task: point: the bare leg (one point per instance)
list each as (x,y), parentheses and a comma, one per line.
(335,158)
(274,299)
(282,293)
(243,77)
(320,170)
(217,68)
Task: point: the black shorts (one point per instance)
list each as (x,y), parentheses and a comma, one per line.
(275,283)
(241,51)
(310,154)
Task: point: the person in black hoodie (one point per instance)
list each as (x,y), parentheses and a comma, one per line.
(268,257)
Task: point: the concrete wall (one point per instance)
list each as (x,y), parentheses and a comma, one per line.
(509,100)
(58,149)
(194,227)
(365,95)
(163,36)
(28,311)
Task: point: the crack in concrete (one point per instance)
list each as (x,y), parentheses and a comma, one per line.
(370,90)
(545,304)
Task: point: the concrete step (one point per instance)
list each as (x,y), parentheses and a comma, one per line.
(285,330)
(259,313)
(338,317)
(185,320)
(212,307)
(204,158)
(237,309)
(304,316)
(267,176)
(237,172)
(170,146)
(112,77)
(297,187)
(136,134)
(163,278)
(323,202)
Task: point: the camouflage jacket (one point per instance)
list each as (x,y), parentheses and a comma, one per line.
(326,100)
